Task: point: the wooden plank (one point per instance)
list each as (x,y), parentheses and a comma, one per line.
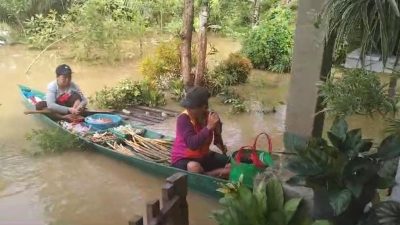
(149,115)
(137,220)
(167,193)
(179,181)
(153,212)
(144,117)
(168,112)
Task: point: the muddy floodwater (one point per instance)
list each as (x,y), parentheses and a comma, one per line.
(85,188)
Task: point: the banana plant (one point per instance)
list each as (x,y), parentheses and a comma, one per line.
(265,205)
(346,167)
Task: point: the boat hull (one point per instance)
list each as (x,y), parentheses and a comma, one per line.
(198,182)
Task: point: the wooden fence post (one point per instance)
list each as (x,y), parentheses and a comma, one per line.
(179,182)
(153,212)
(137,220)
(174,209)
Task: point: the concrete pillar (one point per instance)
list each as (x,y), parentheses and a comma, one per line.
(312,61)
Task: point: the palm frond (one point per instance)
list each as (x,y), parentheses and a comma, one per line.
(377,22)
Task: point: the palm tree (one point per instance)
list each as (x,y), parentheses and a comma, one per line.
(376,22)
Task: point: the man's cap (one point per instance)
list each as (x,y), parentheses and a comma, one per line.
(63,69)
(195,97)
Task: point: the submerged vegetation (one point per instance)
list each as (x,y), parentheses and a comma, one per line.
(51,141)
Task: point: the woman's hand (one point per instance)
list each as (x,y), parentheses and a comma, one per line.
(213,120)
(74,111)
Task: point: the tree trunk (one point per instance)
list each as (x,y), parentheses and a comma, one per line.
(202,52)
(186,47)
(392,86)
(256,12)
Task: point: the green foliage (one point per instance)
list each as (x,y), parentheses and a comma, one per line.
(165,65)
(129,93)
(100,29)
(377,23)
(269,46)
(165,62)
(357,92)
(14,12)
(234,17)
(230,97)
(177,89)
(236,69)
(52,141)
(42,30)
(265,205)
(343,168)
(232,71)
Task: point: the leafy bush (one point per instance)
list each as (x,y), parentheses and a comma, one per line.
(357,92)
(236,69)
(265,205)
(165,65)
(129,93)
(99,29)
(348,170)
(177,89)
(52,140)
(230,97)
(269,46)
(232,71)
(42,30)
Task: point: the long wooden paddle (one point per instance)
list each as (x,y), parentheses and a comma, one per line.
(87,112)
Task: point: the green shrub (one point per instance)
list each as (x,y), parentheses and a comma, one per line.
(41,30)
(269,46)
(230,97)
(165,65)
(177,89)
(357,92)
(51,141)
(129,93)
(100,30)
(232,71)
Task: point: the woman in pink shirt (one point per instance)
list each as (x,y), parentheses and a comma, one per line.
(196,129)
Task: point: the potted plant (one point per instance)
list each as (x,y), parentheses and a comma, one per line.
(344,172)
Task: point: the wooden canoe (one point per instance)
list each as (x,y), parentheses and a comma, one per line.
(198,182)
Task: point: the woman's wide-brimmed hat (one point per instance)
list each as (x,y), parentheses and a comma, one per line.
(196,97)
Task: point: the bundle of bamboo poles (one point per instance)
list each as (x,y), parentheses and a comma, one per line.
(120,148)
(157,150)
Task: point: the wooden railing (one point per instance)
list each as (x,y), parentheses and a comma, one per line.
(174,209)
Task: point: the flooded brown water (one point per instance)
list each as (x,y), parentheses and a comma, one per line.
(85,188)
